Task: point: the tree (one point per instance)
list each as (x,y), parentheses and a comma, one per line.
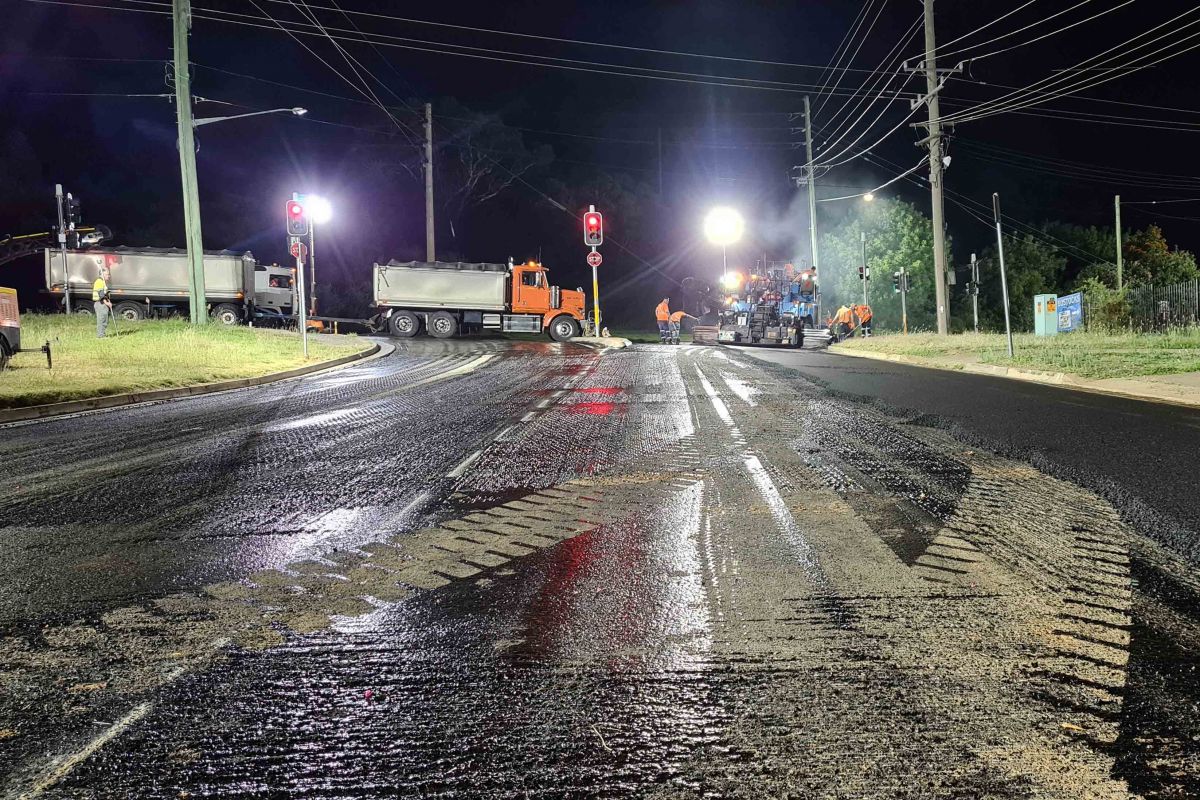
(1032,266)
(1149,260)
(898,236)
(476,157)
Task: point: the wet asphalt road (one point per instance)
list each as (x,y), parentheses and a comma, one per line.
(1141,456)
(496,569)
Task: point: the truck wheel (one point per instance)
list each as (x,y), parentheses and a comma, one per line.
(563,328)
(442,325)
(404,324)
(227,314)
(84,308)
(129,311)
(5,354)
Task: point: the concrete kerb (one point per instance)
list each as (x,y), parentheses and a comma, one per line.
(1062,379)
(48,410)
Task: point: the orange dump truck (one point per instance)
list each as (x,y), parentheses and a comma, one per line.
(446,299)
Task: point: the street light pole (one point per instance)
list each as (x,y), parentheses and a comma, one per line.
(1003,275)
(812,183)
(181,11)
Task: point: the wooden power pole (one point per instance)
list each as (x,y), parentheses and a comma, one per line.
(429,244)
(182,17)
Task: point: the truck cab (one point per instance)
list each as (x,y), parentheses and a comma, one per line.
(10,325)
(533,294)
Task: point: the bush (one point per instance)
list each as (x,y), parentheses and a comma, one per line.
(1106,309)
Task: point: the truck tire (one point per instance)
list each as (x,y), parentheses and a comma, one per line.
(227,314)
(442,325)
(80,307)
(5,353)
(129,311)
(563,328)
(404,324)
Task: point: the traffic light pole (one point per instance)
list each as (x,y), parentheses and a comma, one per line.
(596,297)
(62,244)
(1120,264)
(866,273)
(182,17)
(975,290)
(904,301)
(300,300)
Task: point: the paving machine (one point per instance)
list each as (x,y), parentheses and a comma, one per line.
(777,304)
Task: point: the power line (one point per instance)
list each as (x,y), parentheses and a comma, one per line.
(1015,32)
(1014,100)
(862,40)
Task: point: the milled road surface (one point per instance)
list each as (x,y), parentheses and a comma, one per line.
(495,569)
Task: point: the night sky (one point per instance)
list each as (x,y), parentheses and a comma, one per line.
(719,144)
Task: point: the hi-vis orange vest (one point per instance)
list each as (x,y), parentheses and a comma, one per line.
(863,312)
(663,312)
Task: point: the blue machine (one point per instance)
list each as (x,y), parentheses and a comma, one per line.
(776,304)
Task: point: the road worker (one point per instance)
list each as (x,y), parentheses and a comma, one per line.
(863,312)
(843,320)
(101,301)
(676,324)
(662,313)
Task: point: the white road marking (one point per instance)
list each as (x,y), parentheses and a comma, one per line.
(528,417)
(464,465)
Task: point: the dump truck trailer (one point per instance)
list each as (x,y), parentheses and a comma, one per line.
(153,282)
(446,299)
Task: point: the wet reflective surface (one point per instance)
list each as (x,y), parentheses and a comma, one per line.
(494,569)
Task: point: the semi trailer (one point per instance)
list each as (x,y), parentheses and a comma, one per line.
(446,299)
(153,282)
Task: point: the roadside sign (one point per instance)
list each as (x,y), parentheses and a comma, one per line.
(1070,312)
(594,259)
(298,250)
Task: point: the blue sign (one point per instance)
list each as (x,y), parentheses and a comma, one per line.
(1070,312)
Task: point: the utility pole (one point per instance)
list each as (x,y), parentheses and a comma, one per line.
(975,290)
(429,248)
(866,273)
(812,182)
(935,173)
(1003,275)
(62,244)
(1120,260)
(181,11)
(904,300)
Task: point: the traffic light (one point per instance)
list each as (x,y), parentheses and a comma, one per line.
(297,220)
(896,282)
(862,273)
(71,211)
(593,229)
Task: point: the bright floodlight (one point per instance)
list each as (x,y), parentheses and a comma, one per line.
(299,112)
(723,226)
(869,196)
(319,210)
(732,280)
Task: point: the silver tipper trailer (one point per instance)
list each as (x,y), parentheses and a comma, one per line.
(433,285)
(150,281)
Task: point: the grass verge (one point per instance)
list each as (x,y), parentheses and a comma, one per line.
(153,354)
(1088,355)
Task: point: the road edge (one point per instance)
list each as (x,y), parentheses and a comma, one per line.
(49,410)
(1060,379)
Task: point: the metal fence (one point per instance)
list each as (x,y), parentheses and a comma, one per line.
(1158,307)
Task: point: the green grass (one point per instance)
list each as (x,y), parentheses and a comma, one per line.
(141,356)
(1089,355)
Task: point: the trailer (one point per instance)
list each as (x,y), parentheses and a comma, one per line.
(10,329)
(153,282)
(447,299)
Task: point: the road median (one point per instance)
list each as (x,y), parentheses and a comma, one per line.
(153,361)
(1112,362)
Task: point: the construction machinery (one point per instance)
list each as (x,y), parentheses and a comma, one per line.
(10,329)
(776,304)
(446,299)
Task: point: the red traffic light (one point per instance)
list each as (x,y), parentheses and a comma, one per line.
(593,229)
(297,222)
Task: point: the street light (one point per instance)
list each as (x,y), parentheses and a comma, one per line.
(869,197)
(723,226)
(299,112)
(318,208)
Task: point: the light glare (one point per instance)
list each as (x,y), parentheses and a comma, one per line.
(723,226)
